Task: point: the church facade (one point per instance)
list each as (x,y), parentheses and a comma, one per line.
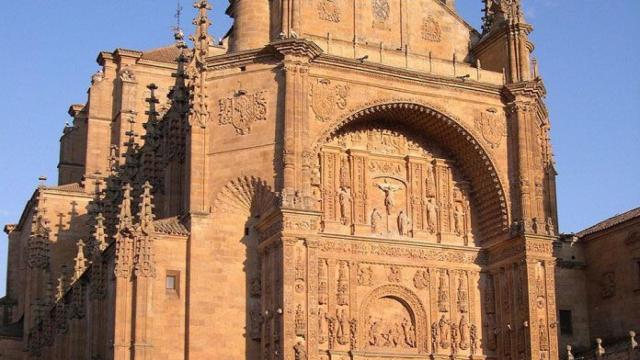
(335,179)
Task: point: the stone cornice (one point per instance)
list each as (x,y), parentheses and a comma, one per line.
(377,69)
(297,48)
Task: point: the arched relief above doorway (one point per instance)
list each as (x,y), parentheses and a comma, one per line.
(393,320)
(475,163)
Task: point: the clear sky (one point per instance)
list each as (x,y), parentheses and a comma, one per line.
(588,52)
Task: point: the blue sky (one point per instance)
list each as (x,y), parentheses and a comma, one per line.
(587,50)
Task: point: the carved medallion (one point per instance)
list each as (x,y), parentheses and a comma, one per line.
(243,110)
(381,10)
(328,10)
(431,30)
(491,128)
(327,98)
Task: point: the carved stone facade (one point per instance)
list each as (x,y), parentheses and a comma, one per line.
(301,196)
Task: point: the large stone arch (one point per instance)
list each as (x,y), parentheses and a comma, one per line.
(406,298)
(476,162)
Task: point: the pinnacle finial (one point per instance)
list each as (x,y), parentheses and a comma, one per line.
(125,218)
(80,261)
(145,215)
(201,39)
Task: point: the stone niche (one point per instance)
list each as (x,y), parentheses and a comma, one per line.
(382,182)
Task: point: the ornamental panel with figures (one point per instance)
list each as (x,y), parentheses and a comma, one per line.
(382,183)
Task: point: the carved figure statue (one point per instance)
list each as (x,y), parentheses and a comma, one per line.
(323,327)
(300,351)
(365,276)
(432,215)
(373,332)
(421,279)
(464,333)
(300,325)
(434,336)
(458,219)
(443,331)
(344,197)
(343,327)
(409,333)
(388,190)
(375,221)
(403,223)
(394,274)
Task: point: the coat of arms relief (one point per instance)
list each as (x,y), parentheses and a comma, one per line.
(327,97)
(243,110)
(328,10)
(491,127)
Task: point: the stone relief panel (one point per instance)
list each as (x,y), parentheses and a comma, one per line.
(242,110)
(378,182)
(396,309)
(329,10)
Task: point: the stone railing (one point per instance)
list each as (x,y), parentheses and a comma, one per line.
(621,350)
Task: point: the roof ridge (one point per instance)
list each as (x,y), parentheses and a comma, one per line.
(610,222)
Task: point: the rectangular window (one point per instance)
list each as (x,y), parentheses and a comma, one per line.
(566,323)
(172,282)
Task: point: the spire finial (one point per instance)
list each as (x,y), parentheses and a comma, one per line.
(178,34)
(80,261)
(145,215)
(197,69)
(125,218)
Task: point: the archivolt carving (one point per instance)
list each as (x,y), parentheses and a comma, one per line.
(411,330)
(245,195)
(475,160)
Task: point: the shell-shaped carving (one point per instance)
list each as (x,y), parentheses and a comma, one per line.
(245,195)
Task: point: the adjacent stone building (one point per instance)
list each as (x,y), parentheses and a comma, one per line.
(598,283)
(335,179)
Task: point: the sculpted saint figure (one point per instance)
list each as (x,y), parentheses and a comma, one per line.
(373,332)
(403,223)
(409,333)
(464,333)
(344,197)
(432,215)
(458,218)
(443,327)
(375,221)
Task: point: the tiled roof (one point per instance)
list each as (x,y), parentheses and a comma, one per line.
(167,54)
(171,226)
(73,187)
(618,219)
